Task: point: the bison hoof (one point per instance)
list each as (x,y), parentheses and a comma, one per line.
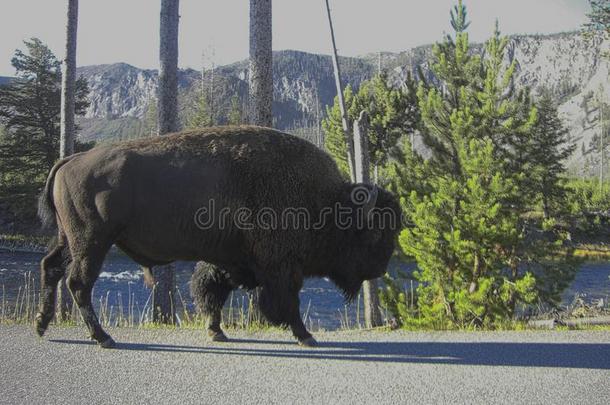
(41,325)
(217,336)
(309,342)
(108,343)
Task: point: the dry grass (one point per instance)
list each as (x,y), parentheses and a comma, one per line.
(126,311)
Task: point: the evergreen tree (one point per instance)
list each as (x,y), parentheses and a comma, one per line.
(548,153)
(30,112)
(201,116)
(235,116)
(334,138)
(599,117)
(392,114)
(466,205)
(462,256)
(599,20)
(150,126)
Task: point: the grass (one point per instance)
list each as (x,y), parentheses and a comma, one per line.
(238,314)
(592,251)
(128,312)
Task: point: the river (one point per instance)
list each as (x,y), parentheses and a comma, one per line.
(121,280)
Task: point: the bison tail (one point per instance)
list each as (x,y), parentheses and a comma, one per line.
(46,206)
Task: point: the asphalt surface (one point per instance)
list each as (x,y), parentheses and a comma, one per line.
(181,366)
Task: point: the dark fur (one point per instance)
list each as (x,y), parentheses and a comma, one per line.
(143,195)
(46,208)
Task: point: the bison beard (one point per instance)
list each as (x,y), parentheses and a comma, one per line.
(143,196)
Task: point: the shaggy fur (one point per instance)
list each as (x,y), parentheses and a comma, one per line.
(143,195)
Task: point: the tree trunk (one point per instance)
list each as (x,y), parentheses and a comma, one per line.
(163,296)
(68,83)
(546,212)
(67,135)
(344,119)
(260,80)
(261,63)
(372,315)
(168,71)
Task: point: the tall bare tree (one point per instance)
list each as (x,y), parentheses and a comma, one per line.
(260,76)
(344,120)
(372,316)
(261,63)
(362,170)
(163,305)
(67,127)
(68,83)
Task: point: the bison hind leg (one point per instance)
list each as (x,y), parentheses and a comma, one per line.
(83,272)
(210,288)
(52,269)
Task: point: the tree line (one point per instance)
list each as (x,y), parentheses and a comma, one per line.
(485,193)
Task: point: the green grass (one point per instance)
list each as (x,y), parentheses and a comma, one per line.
(590,251)
(25,239)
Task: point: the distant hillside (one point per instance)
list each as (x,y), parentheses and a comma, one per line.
(303,86)
(302,83)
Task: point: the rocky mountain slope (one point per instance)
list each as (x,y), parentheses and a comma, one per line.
(567,64)
(303,85)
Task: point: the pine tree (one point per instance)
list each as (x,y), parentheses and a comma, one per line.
(599,117)
(235,115)
(466,205)
(459,70)
(150,125)
(392,113)
(548,154)
(30,109)
(334,136)
(599,21)
(201,116)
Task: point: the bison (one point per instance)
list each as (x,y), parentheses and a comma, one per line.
(267,209)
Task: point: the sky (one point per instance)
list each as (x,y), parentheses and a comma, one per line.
(128,30)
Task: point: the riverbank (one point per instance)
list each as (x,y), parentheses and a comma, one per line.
(592,251)
(120,298)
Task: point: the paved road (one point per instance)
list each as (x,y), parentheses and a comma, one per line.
(163,366)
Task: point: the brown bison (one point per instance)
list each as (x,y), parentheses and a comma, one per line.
(267,208)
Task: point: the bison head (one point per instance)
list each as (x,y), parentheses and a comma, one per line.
(366,241)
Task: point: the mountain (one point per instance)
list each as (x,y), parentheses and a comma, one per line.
(303,84)
(570,66)
(5,80)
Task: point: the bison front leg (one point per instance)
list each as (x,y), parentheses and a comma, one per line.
(279,302)
(210,288)
(82,275)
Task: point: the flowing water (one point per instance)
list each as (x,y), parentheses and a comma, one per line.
(121,280)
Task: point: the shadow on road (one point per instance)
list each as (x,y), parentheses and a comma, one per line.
(562,355)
